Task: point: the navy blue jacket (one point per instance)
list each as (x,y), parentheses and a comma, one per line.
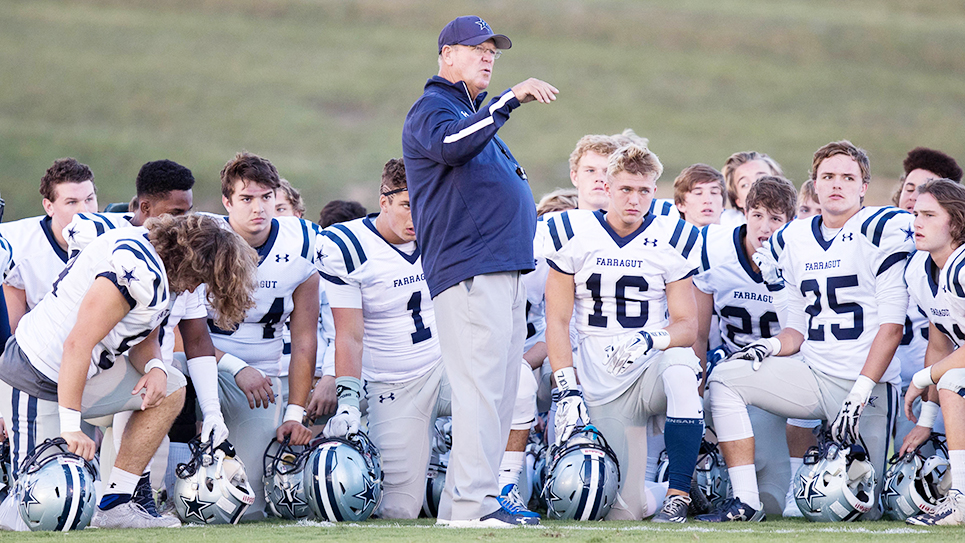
(472,207)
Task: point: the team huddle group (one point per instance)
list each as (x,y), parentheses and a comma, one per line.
(795,354)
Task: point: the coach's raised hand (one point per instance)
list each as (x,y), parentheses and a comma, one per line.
(534,89)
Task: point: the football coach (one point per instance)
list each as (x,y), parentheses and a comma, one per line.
(475,221)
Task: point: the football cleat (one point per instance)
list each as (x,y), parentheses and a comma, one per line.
(950,512)
(674,509)
(510,500)
(734,510)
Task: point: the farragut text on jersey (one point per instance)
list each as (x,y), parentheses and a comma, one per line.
(823,265)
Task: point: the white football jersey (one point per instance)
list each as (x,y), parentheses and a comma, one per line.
(364,271)
(742,301)
(664,207)
(620,284)
(949,315)
(841,290)
(127,258)
(732,218)
(286,260)
(37,258)
(86,227)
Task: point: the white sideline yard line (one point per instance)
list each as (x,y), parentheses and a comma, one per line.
(641,528)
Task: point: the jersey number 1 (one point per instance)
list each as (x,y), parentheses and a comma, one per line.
(598,319)
(415,306)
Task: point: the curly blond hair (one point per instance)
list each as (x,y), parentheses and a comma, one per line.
(196,249)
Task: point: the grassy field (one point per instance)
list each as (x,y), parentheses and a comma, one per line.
(591,532)
(322,86)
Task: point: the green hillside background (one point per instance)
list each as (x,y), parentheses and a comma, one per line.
(322,87)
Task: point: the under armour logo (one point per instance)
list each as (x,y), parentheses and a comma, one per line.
(387,397)
(464,114)
(483,26)
(650,241)
(909,233)
(871,401)
(279,258)
(847,237)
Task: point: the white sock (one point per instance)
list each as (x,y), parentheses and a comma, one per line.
(121,482)
(744,481)
(957,461)
(655,493)
(796,464)
(178,453)
(510,467)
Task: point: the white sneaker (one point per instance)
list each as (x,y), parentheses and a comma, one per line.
(950,512)
(791,510)
(131,515)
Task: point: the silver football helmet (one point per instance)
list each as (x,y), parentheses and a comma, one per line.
(343,478)
(55,488)
(212,487)
(435,482)
(835,484)
(584,477)
(713,479)
(284,480)
(914,484)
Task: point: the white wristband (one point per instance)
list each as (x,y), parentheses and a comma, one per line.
(922,378)
(231,364)
(565,378)
(295,413)
(154,363)
(69,419)
(774,345)
(929,412)
(661,339)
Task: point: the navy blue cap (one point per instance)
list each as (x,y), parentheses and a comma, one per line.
(470,30)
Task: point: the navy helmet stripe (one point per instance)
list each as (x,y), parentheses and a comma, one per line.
(329,470)
(585,493)
(600,485)
(68,500)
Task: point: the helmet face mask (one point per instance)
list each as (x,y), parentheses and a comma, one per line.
(583,478)
(212,488)
(343,478)
(914,484)
(284,480)
(711,474)
(53,481)
(835,484)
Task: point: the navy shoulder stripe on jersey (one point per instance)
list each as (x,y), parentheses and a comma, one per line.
(954,275)
(557,268)
(306,241)
(265,249)
(123,290)
(704,256)
(891,261)
(880,228)
(676,240)
(691,241)
(352,252)
(560,238)
(866,225)
(777,243)
(331,278)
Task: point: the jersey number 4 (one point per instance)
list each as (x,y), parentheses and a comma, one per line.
(834,286)
(598,319)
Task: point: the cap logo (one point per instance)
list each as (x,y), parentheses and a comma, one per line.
(483,26)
